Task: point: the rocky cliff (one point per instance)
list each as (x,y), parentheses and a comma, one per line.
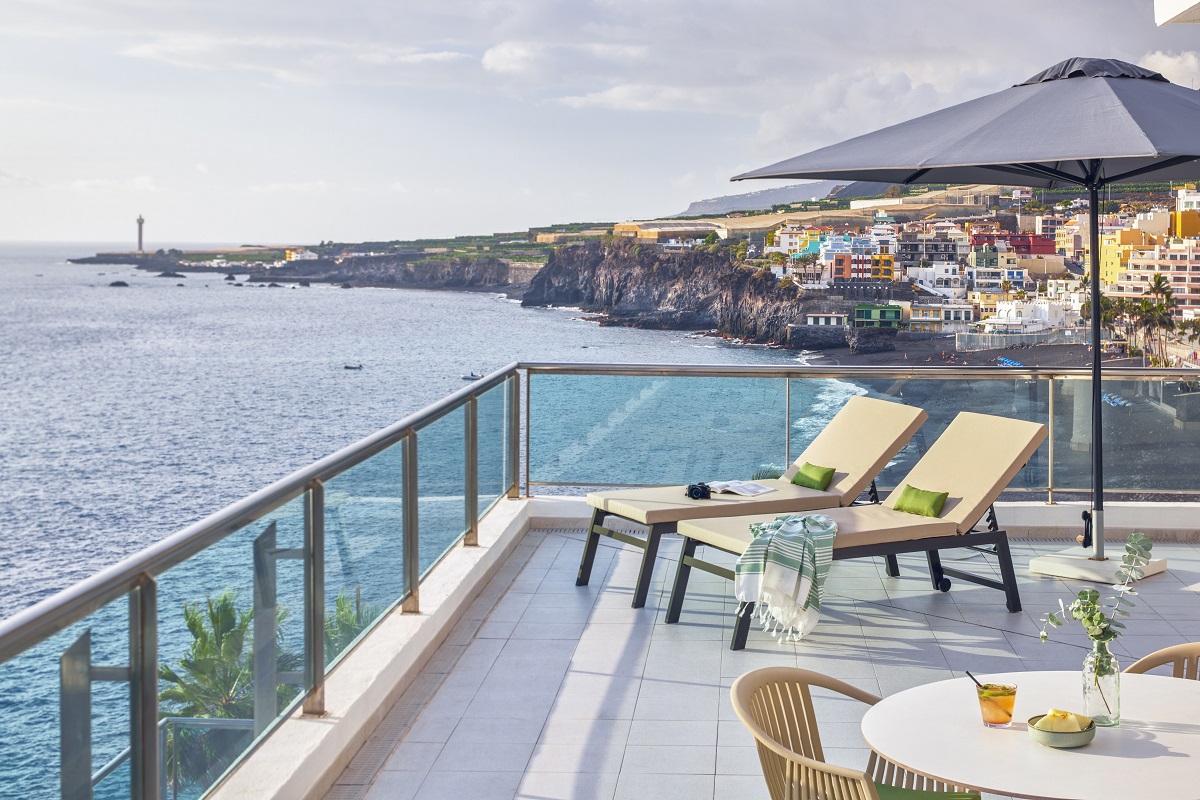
(414,272)
(638,285)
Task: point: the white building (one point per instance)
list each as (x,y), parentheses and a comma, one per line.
(300,254)
(1030,316)
(824,319)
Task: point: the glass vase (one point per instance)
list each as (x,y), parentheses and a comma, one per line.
(1102,686)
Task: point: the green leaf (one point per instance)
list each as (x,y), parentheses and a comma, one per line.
(1116,624)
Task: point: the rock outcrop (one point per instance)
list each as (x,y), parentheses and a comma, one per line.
(871,340)
(405,271)
(639,285)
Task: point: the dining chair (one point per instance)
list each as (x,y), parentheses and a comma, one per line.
(775,704)
(1183,658)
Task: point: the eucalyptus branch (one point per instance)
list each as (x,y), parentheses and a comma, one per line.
(1099,620)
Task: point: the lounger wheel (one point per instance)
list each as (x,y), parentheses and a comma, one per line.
(943,585)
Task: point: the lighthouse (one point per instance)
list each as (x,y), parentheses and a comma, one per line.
(140,223)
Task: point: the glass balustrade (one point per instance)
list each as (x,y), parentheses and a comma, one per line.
(255,603)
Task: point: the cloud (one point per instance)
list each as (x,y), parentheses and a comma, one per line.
(202,169)
(399,187)
(141,183)
(1182,68)
(9,180)
(640,97)
(511,58)
(299,187)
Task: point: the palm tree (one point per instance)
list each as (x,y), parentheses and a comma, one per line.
(1163,303)
(349,618)
(215,680)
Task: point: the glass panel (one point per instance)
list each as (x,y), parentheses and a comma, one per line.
(207,620)
(814,402)
(1073,435)
(654,430)
(442,477)
(364,546)
(31,713)
(1151,435)
(492,419)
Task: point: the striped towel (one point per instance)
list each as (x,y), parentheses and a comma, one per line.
(783,572)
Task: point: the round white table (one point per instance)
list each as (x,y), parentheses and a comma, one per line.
(936,730)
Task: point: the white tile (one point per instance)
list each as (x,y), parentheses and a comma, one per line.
(669,759)
(568,786)
(394,786)
(475,785)
(477,757)
(634,786)
(674,732)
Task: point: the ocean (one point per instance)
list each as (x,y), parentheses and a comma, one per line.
(129,413)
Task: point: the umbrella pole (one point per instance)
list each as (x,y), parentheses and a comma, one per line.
(1097,511)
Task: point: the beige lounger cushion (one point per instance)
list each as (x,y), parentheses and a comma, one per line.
(859,442)
(974,459)
(670,504)
(857,525)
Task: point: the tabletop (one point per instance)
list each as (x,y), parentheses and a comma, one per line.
(936,730)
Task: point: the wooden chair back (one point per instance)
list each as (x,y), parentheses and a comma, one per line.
(1183,658)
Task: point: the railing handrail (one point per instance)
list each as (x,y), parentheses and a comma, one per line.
(848,371)
(64,608)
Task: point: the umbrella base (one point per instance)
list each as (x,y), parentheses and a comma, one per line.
(1076,564)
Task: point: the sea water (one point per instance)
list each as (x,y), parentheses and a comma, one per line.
(130,412)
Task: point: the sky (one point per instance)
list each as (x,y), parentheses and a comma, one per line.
(295,121)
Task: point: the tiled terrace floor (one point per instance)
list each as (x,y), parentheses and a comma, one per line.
(547,690)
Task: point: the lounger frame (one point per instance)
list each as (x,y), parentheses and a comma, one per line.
(649,544)
(939,575)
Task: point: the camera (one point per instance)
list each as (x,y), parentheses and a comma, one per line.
(699,491)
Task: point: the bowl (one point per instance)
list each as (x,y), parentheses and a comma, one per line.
(1061,739)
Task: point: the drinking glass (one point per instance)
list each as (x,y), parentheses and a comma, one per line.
(996,701)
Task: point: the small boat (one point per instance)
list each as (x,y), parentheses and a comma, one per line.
(352,366)
(472,376)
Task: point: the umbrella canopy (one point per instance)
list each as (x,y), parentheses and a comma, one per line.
(1044,132)
(1086,122)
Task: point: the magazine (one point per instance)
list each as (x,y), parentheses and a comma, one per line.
(744,488)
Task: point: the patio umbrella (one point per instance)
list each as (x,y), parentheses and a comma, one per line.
(1084,122)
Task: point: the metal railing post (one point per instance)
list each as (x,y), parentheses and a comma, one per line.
(412,541)
(471,488)
(1050,443)
(75,719)
(143,690)
(314,599)
(528,403)
(265,632)
(514,435)
(787,423)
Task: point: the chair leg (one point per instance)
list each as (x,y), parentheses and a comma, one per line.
(589,549)
(741,626)
(682,573)
(1012,596)
(892,566)
(936,576)
(642,589)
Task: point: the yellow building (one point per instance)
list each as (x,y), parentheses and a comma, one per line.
(883,266)
(984,300)
(1115,249)
(1185,224)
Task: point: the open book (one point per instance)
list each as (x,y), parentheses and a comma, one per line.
(745,488)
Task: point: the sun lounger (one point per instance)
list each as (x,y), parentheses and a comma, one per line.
(973,460)
(858,442)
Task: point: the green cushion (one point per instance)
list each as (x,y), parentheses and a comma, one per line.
(896,793)
(813,477)
(918,501)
